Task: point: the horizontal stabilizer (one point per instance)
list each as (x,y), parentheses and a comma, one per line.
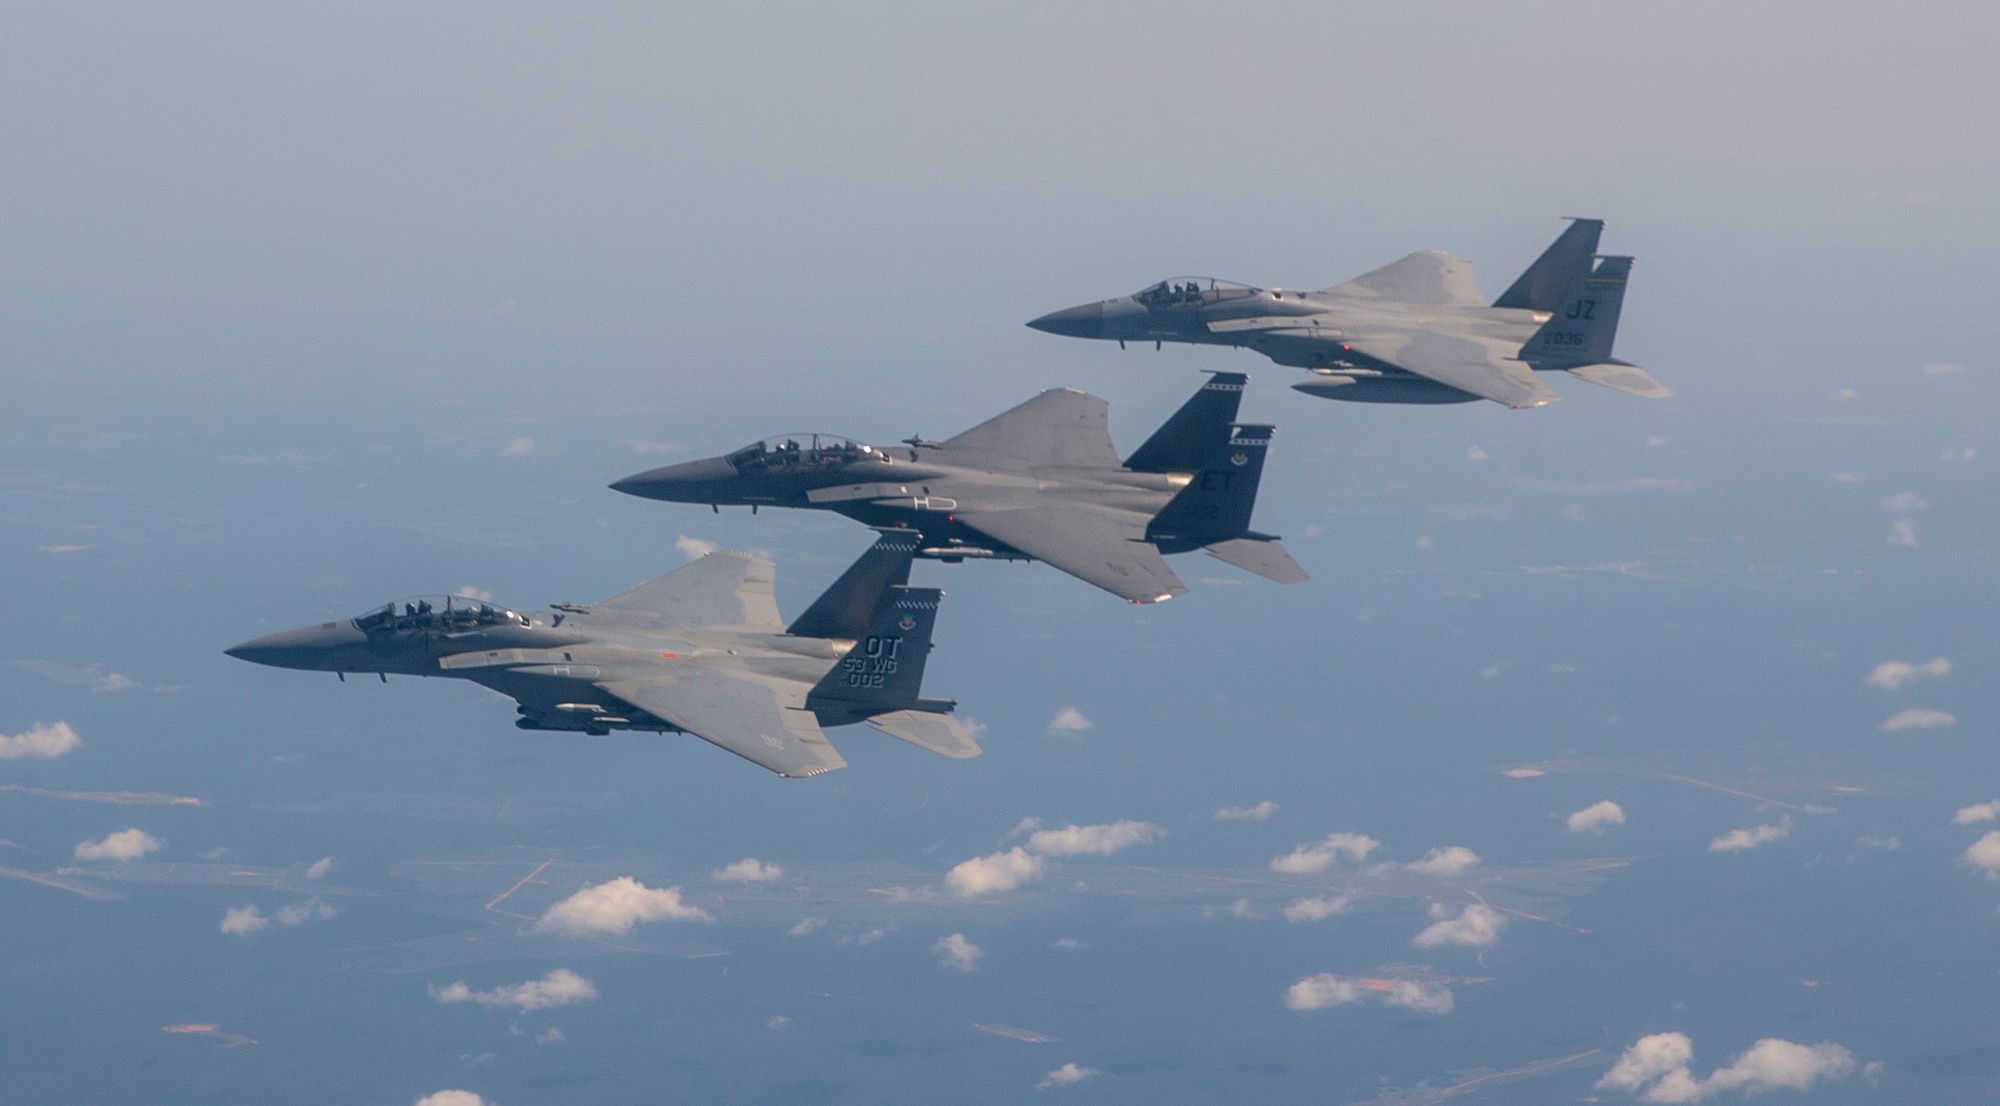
(940,733)
(1262,556)
(1619,376)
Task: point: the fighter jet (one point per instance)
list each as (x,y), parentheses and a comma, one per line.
(700,650)
(1416,331)
(1040,482)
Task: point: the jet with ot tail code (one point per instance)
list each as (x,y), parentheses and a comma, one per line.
(700,650)
(1415,331)
(1040,482)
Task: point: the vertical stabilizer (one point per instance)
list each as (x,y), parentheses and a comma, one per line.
(848,608)
(1581,330)
(1553,274)
(1198,429)
(1215,505)
(884,671)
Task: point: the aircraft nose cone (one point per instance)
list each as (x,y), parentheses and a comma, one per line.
(308,647)
(691,482)
(1086,321)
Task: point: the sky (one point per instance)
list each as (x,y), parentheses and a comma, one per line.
(1619,750)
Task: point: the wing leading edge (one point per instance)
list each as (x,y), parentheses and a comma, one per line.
(1094,546)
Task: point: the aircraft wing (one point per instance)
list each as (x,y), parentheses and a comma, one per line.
(1097,547)
(1426,277)
(762,720)
(1487,368)
(724,588)
(1062,427)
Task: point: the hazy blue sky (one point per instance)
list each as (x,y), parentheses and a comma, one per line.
(307,309)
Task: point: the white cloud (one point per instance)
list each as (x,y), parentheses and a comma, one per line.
(558,988)
(748,870)
(1903,532)
(1917,718)
(1596,816)
(1260,813)
(778,1022)
(1446,863)
(998,872)
(306,911)
(1977,812)
(694,549)
(1318,856)
(615,907)
(1070,943)
(806,926)
(1905,502)
(467,591)
(1894,674)
(39,741)
(453,1098)
(1942,368)
(1241,908)
(518,447)
(1657,1068)
(1845,394)
(319,868)
(1738,840)
(1477,925)
(1317,910)
(959,952)
(126,844)
(1884,844)
(239,920)
(550,1036)
(1069,720)
(1317,992)
(1984,854)
(1100,840)
(1067,1075)
(1475,454)
(95,677)
(1657,439)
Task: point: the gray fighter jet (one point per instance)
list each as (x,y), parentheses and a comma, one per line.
(1416,331)
(700,650)
(1041,482)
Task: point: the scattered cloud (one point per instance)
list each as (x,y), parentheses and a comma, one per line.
(997,872)
(1739,840)
(1595,817)
(958,952)
(452,1098)
(1318,856)
(1099,840)
(1657,440)
(1318,909)
(64,548)
(615,907)
(1475,454)
(1984,854)
(43,742)
(550,1036)
(748,870)
(694,549)
(126,844)
(1849,477)
(467,591)
(518,447)
(1260,813)
(1317,992)
(1070,943)
(1241,908)
(306,911)
(1905,502)
(212,1032)
(1067,1076)
(1446,863)
(1903,532)
(95,677)
(1843,395)
(239,920)
(1522,773)
(1884,844)
(1894,674)
(1658,1068)
(1477,925)
(558,988)
(1943,368)
(1977,812)
(1069,720)
(640,446)
(1917,718)
(319,868)
(805,926)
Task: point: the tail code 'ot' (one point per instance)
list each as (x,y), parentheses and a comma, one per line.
(1216,504)
(885,669)
(1581,330)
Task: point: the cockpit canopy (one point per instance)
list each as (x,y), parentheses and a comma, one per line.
(1193,291)
(438,612)
(787,450)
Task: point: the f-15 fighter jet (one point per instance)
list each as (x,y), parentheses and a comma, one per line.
(700,650)
(1416,331)
(1041,482)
